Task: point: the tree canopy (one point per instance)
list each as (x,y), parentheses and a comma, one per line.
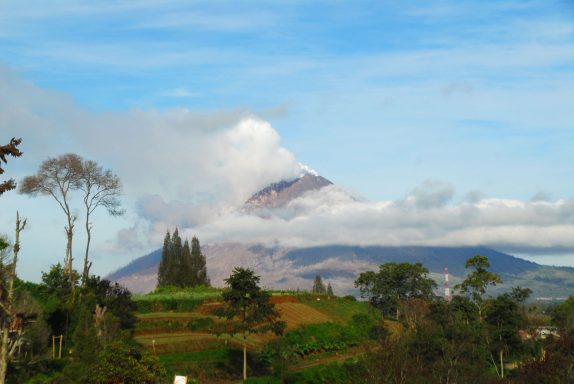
(58,177)
(477,282)
(10,149)
(181,266)
(395,282)
(100,188)
(563,316)
(248,308)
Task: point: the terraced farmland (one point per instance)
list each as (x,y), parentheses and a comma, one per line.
(184,339)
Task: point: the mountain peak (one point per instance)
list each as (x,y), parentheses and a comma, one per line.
(279,194)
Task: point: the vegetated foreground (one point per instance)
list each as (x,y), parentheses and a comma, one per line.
(403,333)
(178,326)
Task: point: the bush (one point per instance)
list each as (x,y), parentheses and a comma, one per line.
(122,362)
(349,372)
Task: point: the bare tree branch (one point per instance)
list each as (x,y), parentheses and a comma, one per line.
(57,177)
(101,189)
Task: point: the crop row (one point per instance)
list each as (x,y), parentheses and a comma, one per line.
(165,305)
(198,324)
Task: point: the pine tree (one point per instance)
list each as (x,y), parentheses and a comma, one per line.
(186,269)
(318,286)
(330,290)
(85,338)
(199,269)
(180,266)
(164,264)
(175,273)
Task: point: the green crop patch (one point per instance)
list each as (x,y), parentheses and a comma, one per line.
(339,309)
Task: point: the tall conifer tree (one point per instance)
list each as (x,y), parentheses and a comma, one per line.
(164,264)
(175,273)
(318,286)
(181,266)
(186,269)
(199,270)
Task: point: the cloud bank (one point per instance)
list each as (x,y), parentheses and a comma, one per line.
(423,217)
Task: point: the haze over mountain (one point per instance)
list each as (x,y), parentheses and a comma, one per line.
(292,267)
(295,268)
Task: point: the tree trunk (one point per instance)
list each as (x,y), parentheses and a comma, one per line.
(68,262)
(244,359)
(87,264)
(6,350)
(501,365)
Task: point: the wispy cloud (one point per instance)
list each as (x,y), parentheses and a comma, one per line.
(178,92)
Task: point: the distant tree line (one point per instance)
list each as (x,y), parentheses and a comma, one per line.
(181,265)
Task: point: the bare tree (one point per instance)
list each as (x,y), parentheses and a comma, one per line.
(100,188)
(56,177)
(9,335)
(10,149)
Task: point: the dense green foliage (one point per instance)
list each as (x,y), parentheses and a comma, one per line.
(181,266)
(349,372)
(88,319)
(122,362)
(563,316)
(432,342)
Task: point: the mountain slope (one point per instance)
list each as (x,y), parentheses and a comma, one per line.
(293,268)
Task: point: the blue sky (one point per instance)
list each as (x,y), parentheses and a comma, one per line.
(379,97)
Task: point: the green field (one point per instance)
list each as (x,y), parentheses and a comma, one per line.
(199,293)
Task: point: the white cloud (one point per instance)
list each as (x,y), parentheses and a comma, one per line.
(178,167)
(327,217)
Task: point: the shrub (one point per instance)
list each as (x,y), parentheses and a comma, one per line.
(122,362)
(349,372)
